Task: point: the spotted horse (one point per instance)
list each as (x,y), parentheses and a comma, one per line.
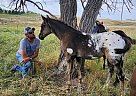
(78,46)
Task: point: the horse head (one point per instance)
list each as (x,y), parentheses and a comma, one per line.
(101,28)
(45,28)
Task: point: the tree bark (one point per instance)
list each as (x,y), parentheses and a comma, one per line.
(89,15)
(68,10)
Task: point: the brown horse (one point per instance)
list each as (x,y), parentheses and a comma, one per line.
(78,46)
(133,83)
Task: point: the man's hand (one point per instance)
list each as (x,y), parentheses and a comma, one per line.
(26,59)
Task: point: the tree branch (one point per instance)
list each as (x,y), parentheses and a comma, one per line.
(82,2)
(21,4)
(113,5)
(41,8)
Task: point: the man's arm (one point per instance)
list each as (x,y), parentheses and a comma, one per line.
(24,56)
(35,53)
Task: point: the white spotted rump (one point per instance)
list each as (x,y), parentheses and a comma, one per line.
(109,40)
(69,50)
(84,33)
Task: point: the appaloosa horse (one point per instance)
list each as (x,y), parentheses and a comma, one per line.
(130,41)
(77,45)
(102,29)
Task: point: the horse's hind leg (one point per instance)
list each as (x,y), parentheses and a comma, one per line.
(116,81)
(104,59)
(79,63)
(121,76)
(110,73)
(69,72)
(82,67)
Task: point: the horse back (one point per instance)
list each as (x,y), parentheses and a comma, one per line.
(80,44)
(122,34)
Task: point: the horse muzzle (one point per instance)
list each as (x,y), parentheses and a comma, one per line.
(41,37)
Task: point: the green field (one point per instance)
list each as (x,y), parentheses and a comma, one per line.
(11,32)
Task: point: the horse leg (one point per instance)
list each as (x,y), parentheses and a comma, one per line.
(116,81)
(122,79)
(105,56)
(104,59)
(69,71)
(79,61)
(82,67)
(121,76)
(110,73)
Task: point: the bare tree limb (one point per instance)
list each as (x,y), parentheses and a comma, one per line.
(40,4)
(41,8)
(122,11)
(11,4)
(82,2)
(113,5)
(44,2)
(109,7)
(21,5)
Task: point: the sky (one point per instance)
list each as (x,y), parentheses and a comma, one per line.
(53,7)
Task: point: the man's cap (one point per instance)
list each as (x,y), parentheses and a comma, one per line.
(28,29)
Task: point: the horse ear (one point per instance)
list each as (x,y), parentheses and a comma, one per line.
(47,16)
(43,17)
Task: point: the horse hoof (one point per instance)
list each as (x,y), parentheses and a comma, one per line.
(68,90)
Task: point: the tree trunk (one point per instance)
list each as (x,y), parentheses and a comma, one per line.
(89,15)
(68,10)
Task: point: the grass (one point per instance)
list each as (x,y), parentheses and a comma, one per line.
(11,32)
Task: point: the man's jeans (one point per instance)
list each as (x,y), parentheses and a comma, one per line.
(26,68)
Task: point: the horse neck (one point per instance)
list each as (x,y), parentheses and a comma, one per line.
(101,28)
(57,28)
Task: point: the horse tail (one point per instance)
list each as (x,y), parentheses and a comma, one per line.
(120,32)
(133,41)
(126,47)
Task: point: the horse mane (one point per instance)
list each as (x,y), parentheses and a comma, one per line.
(121,33)
(63,25)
